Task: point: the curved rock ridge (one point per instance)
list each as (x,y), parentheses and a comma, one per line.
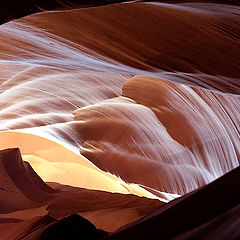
(21,187)
(175,141)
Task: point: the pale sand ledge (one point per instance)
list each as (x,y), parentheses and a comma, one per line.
(55,163)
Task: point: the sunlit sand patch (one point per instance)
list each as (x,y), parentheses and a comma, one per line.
(55,163)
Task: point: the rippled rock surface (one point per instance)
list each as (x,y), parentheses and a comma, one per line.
(117,109)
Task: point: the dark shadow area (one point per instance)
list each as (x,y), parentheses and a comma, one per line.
(72,227)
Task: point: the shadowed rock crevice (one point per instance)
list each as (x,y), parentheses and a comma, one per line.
(24,177)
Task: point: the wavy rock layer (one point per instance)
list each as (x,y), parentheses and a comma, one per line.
(101,98)
(179,139)
(195,44)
